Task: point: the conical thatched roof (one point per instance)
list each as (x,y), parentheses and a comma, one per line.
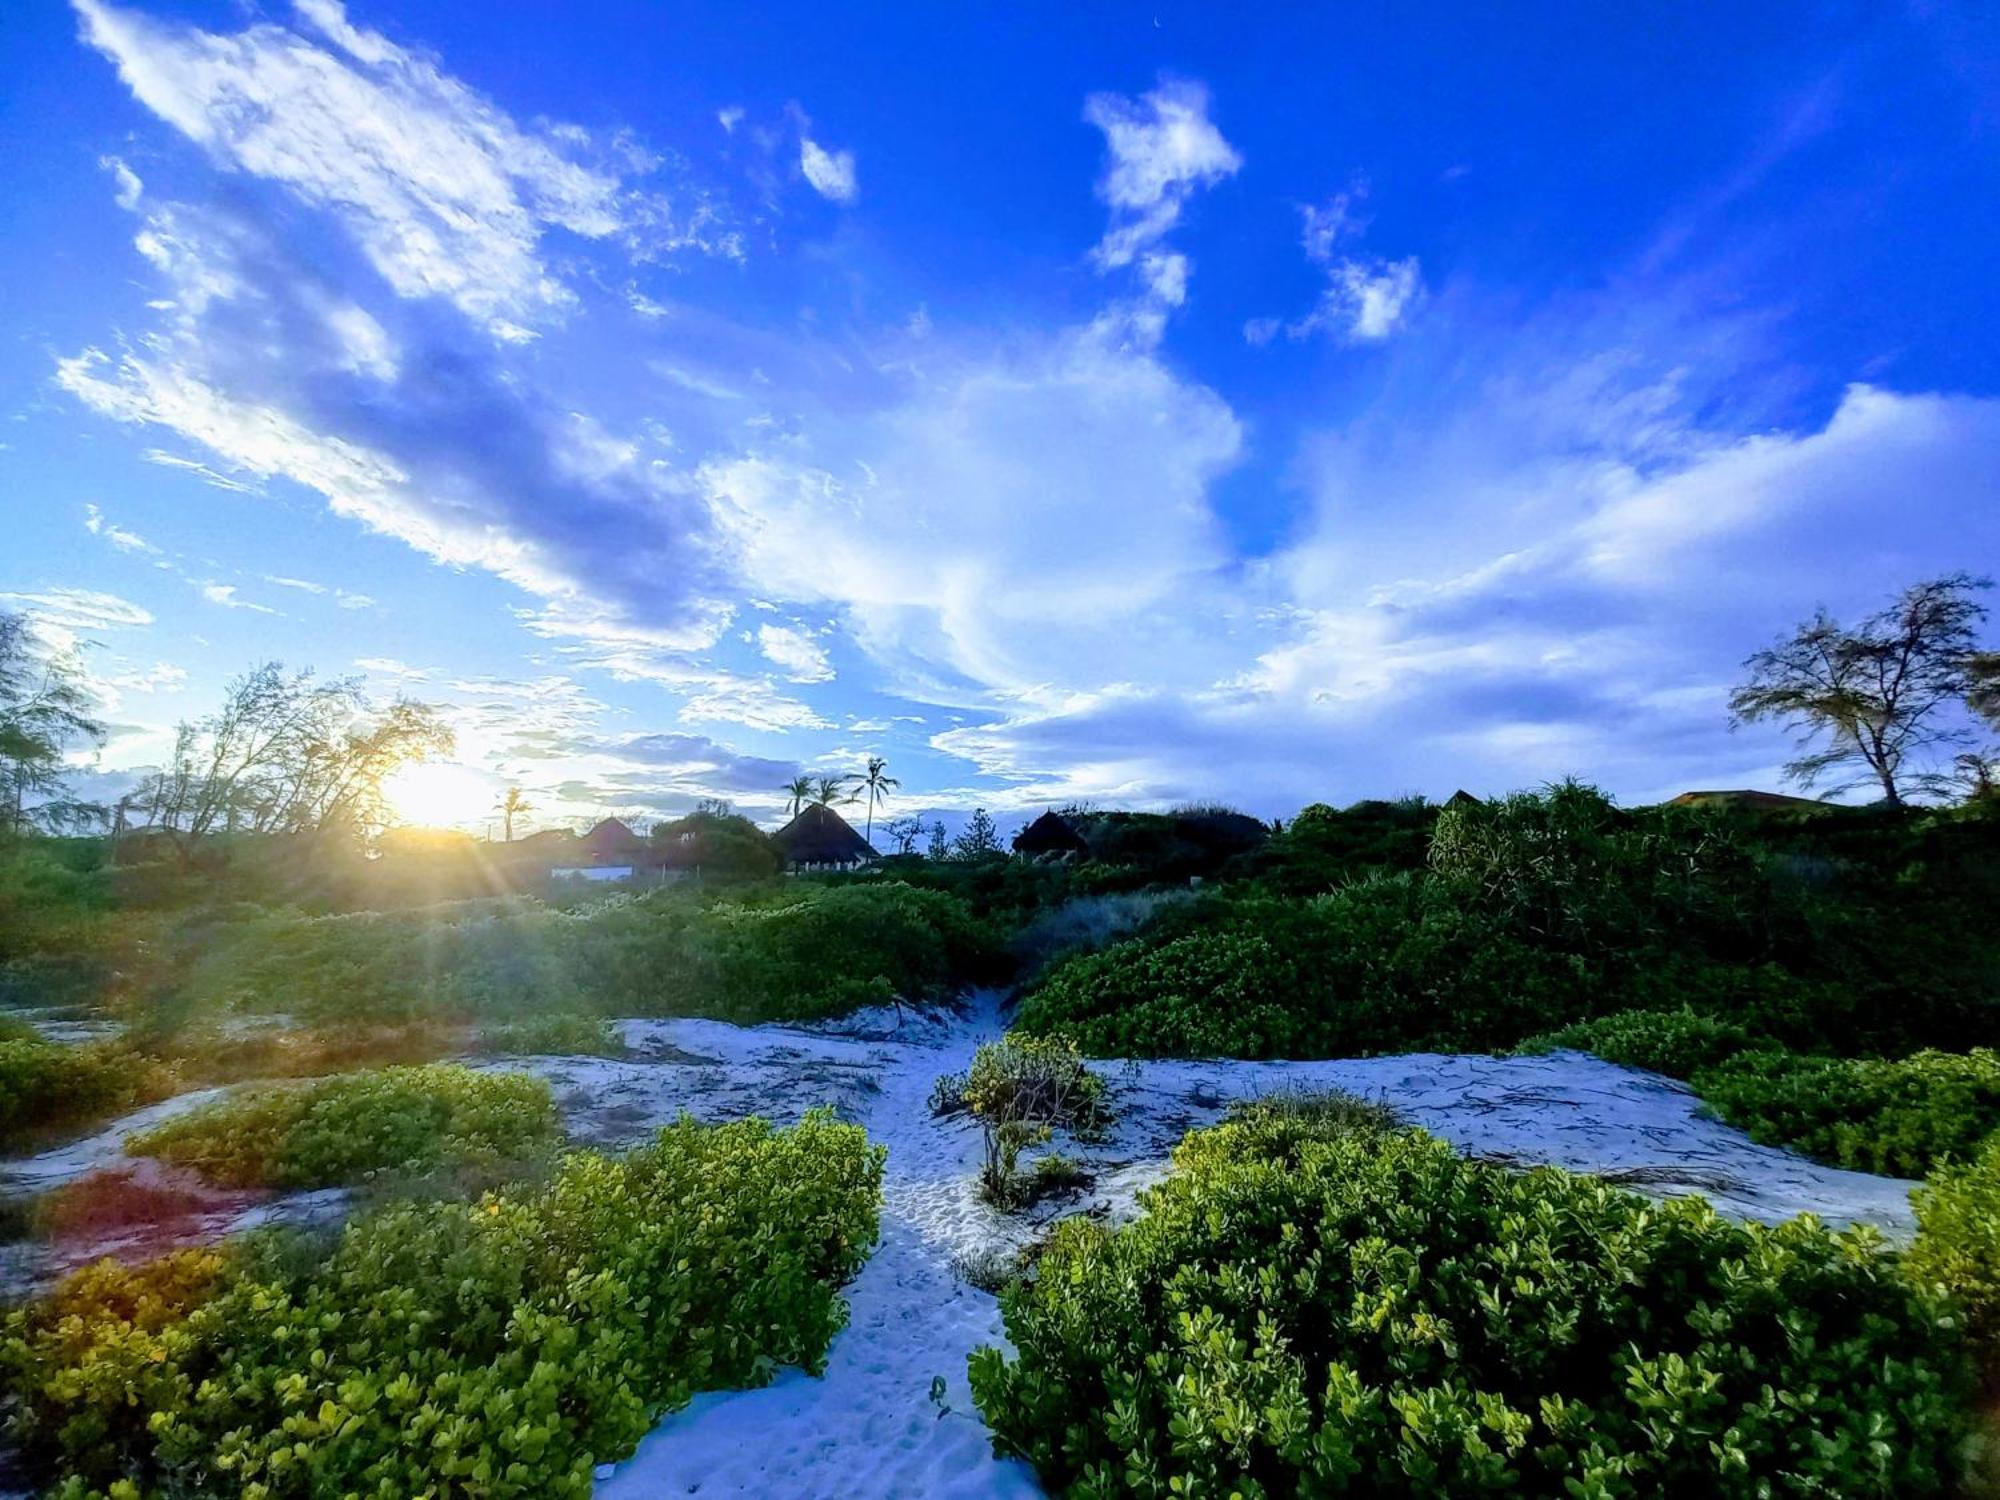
(821,836)
(1050,834)
(611,842)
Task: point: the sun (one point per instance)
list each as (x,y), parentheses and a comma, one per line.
(437,794)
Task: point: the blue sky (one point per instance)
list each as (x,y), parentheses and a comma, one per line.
(1127,404)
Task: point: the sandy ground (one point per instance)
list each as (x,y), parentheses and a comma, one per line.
(892,1415)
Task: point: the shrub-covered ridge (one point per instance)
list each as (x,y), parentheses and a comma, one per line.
(336,1130)
(498,1348)
(1341,1310)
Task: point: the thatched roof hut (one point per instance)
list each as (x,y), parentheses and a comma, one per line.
(611,842)
(821,839)
(1050,834)
(1462,798)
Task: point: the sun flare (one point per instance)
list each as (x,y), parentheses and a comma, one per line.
(437,794)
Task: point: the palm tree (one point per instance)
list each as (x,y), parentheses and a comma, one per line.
(827,791)
(878,786)
(509,806)
(800,790)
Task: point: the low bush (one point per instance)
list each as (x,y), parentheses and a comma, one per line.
(1021,1088)
(339,1130)
(1958,1245)
(796,951)
(1042,1079)
(1394,964)
(49,1086)
(1317,1309)
(499,1348)
(1678,1043)
(1903,1117)
(561,1034)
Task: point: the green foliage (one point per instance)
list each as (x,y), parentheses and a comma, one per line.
(558,1034)
(1021,1088)
(47,1086)
(1902,1117)
(1678,1043)
(341,1129)
(1391,964)
(1035,1078)
(498,1348)
(1341,1309)
(795,951)
(1958,1244)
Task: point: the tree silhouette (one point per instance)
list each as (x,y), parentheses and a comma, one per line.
(800,790)
(877,786)
(828,790)
(509,807)
(1876,693)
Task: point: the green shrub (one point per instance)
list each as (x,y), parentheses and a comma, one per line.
(1902,1118)
(1395,964)
(1677,1043)
(498,1348)
(1958,1244)
(47,1086)
(563,1034)
(338,1130)
(1042,1079)
(796,951)
(1345,1310)
(1020,1088)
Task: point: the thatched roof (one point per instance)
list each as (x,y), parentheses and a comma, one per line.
(1050,834)
(611,842)
(1462,798)
(821,836)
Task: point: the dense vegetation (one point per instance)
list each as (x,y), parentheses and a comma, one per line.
(751,954)
(45,1086)
(500,1348)
(339,1130)
(1849,932)
(1314,1305)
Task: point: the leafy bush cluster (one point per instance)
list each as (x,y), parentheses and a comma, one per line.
(338,1130)
(1544,910)
(1901,1117)
(1021,1088)
(1390,964)
(558,1034)
(1958,1243)
(46,1085)
(1319,1306)
(1678,1043)
(801,950)
(498,1348)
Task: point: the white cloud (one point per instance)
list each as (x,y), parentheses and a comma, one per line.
(444,193)
(802,658)
(1365,302)
(161,677)
(729,118)
(1162,146)
(78,609)
(98,524)
(1007,515)
(830,172)
(224,594)
(130,188)
(1367,299)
